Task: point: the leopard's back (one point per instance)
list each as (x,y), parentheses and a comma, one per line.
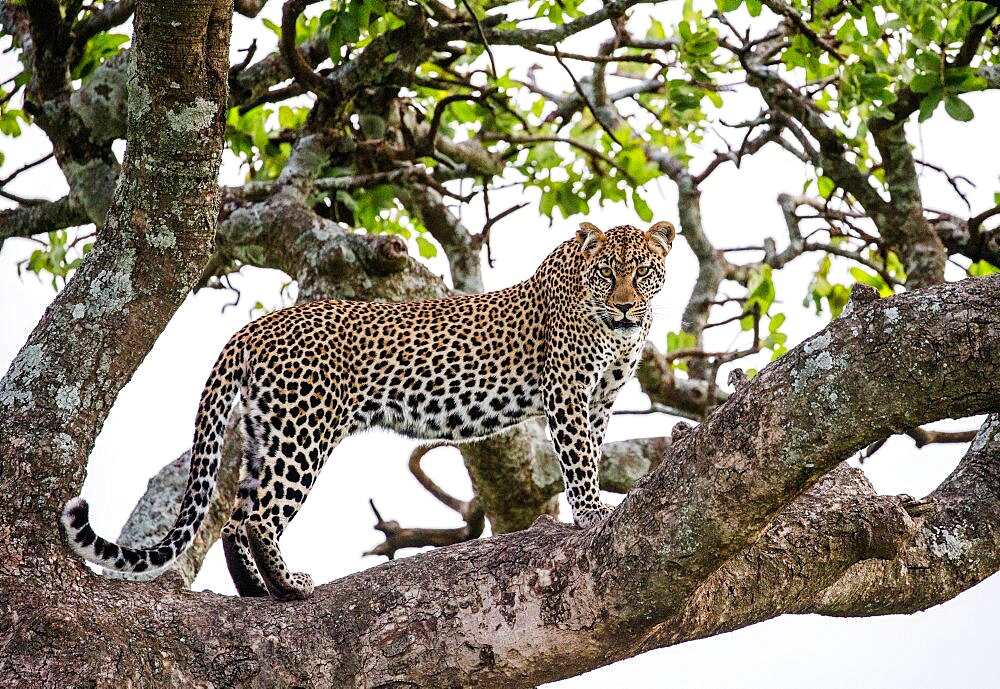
(455,369)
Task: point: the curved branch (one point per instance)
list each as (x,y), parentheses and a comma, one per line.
(957,545)
(294,60)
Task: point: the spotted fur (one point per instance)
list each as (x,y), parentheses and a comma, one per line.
(560,344)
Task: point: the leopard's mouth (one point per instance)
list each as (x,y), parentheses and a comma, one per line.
(624,324)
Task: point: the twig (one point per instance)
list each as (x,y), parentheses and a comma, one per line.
(397,537)
(976,222)
(297,64)
(483,238)
(250,51)
(657,408)
(540,138)
(728,320)
(583,96)
(363,181)
(601,59)
(870,450)
(800,24)
(6,180)
(428,145)
(854,256)
(274,96)
(953,180)
(924,436)
(20,199)
(482,37)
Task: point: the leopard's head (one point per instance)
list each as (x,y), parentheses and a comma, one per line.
(623,269)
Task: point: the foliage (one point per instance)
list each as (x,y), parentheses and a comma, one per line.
(856,63)
(57,257)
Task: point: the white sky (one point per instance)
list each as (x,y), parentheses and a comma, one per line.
(952,645)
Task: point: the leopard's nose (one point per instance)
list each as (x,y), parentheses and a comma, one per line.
(624,308)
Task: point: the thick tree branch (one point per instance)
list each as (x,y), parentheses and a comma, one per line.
(957,546)
(457,241)
(960,237)
(534,37)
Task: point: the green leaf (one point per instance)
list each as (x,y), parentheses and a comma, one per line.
(776,321)
(837,299)
(426,248)
(923,83)
(929,104)
(760,294)
(753,7)
(728,5)
(275,28)
(641,207)
(981,269)
(825,185)
(680,340)
(958,109)
(874,280)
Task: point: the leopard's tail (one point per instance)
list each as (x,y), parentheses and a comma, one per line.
(217,401)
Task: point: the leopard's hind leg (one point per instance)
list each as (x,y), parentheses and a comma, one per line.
(298,437)
(242,567)
(235,543)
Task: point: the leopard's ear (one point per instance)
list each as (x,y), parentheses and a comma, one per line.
(589,237)
(661,237)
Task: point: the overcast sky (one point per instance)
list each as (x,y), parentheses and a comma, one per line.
(953,645)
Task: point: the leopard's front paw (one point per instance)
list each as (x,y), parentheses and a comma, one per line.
(587,518)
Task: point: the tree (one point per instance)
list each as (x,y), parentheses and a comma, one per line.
(748,515)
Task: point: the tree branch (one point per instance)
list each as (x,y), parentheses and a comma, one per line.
(297,64)
(957,546)
(37,218)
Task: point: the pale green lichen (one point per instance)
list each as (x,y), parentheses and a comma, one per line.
(949,544)
(163,240)
(112,290)
(138,96)
(892,314)
(987,432)
(65,448)
(79,311)
(27,367)
(814,366)
(93,184)
(544,471)
(820,341)
(68,397)
(102,101)
(189,121)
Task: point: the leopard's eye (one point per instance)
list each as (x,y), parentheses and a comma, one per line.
(642,271)
(606,272)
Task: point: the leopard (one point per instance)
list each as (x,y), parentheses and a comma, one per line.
(559,345)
